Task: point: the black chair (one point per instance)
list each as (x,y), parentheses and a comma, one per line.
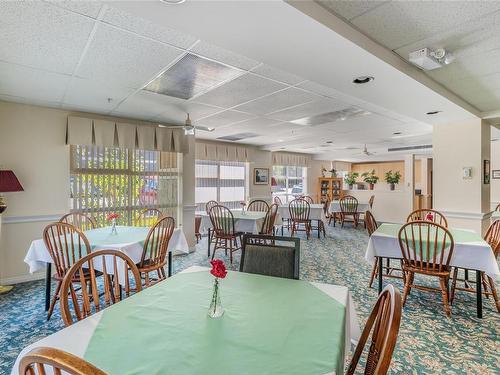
(271,256)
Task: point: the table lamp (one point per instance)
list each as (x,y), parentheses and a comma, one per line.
(8,183)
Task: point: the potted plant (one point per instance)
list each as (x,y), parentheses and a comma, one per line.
(392,178)
(323,171)
(350,179)
(333,172)
(370,178)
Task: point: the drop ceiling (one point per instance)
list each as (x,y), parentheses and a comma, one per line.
(151,61)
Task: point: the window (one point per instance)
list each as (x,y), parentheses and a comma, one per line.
(221,181)
(289,182)
(105,180)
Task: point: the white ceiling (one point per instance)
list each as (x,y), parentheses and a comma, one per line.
(468,29)
(98,57)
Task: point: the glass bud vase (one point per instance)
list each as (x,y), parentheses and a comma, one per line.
(113,227)
(215,310)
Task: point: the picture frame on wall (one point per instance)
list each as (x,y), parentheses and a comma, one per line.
(495,174)
(261,176)
(486,172)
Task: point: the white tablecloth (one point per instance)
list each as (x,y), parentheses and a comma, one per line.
(38,255)
(75,338)
(362,207)
(316,211)
(471,255)
(247,222)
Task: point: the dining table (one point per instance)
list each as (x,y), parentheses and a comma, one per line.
(471,252)
(335,207)
(316,213)
(128,239)
(270,325)
(244,222)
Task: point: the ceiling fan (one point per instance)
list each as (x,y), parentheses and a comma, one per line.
(189,128)
(366,152)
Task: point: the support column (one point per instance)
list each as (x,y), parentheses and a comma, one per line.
(457,149)
(409,181)
(188,193)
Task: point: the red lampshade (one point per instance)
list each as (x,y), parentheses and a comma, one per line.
(273,181)
(9,182)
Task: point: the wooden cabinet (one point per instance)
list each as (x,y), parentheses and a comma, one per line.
(329,187)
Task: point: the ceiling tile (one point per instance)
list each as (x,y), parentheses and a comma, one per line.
(224,119)
(316,88)
(86,8)
(276,74)
(92,94)
(308,109)
(349,9)
(224,56)
(239,90)
(21,100)
(277,101)
(146,104)
(120,58)
(42,36)
(418,19)
(16,80)
(176,113)
(148,29)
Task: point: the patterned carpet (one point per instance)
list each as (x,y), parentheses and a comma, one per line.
(428,343)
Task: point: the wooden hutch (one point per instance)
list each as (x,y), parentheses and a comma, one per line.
(329,187)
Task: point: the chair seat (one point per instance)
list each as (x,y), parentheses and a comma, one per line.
(76,278)
(423,271)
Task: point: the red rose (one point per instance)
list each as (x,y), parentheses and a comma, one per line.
(429,216)
(218,268)
(113,216)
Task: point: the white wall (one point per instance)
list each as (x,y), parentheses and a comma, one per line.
(495,183)
(32,144)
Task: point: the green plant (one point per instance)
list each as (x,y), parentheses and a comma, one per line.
(333,172)
(350,178)
(392,177)
(369,177)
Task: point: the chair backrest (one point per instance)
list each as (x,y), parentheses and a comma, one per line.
(45,360)
(156,244)
(268,223)
(66,244)
(299,209)
(79,220)
(498,207)
(197,224)
(383,324)
(308,199)
(222,221)
(371,200)
(209,206)
(148,217)
(371,223)
(278,201)
(348,204)
(271,256)
(114,267)
(493,237)
(326,206)
(426,245)
(428,215)
(258,205)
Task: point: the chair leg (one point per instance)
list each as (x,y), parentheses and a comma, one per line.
(54,300)
(443,281)
(494,292)
(407,287)
(485,285)
(230,251)
(342,217)
(453,284)
(374,272)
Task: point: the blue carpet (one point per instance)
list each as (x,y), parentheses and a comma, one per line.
(428,343)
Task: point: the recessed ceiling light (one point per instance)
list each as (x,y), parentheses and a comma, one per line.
(172,2)
(329,141)
(280,140)
(397,133)
(362,79)
(433,112)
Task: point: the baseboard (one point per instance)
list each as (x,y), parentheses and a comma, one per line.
(22,279)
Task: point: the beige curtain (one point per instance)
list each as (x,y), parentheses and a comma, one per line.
(292,159)
(79,131)
(222,152)
(105,133)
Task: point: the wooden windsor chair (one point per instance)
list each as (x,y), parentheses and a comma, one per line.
(349,207)
(225,236)
(428,214)
(79,220)
(148,217)
(258,205)
(299,210)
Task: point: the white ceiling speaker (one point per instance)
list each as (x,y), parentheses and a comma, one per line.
(428,59)
(189,128)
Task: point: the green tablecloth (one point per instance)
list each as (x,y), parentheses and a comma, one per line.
(270,326)
(103,236)
(495,215)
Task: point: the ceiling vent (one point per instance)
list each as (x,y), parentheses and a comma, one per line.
(428,59)
(327,117)
(190,76)
(237,137)
(409,148)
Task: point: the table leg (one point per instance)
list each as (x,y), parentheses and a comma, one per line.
(169,263)
(479,295)
(380,260)
(319,236)
(48,278)
(209,240)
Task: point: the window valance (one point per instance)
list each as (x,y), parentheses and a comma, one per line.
(212,151)
(88,131)
(291,159)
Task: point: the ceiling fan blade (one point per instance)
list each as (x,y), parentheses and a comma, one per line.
(204,128)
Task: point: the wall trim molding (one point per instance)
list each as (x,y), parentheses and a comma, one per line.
(466,215)
(30,219)
(22,278)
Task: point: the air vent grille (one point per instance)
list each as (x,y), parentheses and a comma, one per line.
(327,117)
(409,148)
(238,137)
